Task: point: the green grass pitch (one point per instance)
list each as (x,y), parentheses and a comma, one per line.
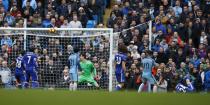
(65,97)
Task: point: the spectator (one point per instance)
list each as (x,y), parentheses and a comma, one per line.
(161,85)
(104,77)
(1,20)
(164,45)
(31,3)
(5,74)
(27,8)
(2,11)
(36,20)
(14,10)
(75,23)
(168,77)
(131,77)
(83,16)
(46,22)
(156,46)
(196,32)
(51,73)
(40,9)
(65,24)
(180,57)
(207,79)
(65,79)
(162,56)
(126,9)
(111,21)
(183,70)
(159,25)
(99,6)
(53,23)
(184,14)
(62,9)
(5,3)
(177,8)
(134,53)
(196,77)
(50,10)
(6,40)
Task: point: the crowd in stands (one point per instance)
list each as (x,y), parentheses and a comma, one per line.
(180,35)
(51,13)
(180,39)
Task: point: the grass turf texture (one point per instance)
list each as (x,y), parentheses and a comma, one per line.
(64,97)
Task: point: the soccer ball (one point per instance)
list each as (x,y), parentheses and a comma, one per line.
(52,30)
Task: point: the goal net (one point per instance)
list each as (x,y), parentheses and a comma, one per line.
(53,47)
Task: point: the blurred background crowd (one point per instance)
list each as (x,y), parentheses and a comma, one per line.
(180,36)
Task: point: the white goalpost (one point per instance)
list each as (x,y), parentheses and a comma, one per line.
(53,46)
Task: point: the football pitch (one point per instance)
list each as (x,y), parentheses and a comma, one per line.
(65,97)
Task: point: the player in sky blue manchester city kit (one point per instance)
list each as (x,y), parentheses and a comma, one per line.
(148,63)
(73,72)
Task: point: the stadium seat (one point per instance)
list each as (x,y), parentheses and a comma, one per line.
(91,24)
(95,17)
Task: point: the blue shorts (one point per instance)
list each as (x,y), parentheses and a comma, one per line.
(20,77)
(148,78)
(73,77)
(120,77)
(31,74)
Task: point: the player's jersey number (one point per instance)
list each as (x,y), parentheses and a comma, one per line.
(71,62)
(118,60)
(146,65)
(18,64)
(29,59)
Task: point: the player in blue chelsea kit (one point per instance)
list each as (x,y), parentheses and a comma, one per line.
(185,85)
(19,71)
(30,64)
(120,66)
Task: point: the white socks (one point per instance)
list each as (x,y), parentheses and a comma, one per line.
(73,86)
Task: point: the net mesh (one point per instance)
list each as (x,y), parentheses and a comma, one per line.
(53,48)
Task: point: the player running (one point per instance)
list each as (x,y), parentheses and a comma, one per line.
(73,65)
(19,72)
(30,64)
(88,71)
(120,61)
(148,63)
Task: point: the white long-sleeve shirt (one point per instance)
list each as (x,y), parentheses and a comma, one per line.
(75,24)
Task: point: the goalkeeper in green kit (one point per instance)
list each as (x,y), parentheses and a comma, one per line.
(88,71)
